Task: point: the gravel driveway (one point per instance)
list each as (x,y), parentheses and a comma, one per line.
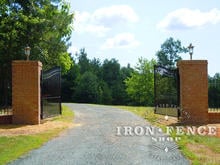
(96,141)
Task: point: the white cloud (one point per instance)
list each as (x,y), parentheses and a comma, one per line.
(109,16)
(123,40)
(102,20)
(84,24)
(185,19)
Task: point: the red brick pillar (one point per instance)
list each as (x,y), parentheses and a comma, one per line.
(26,92)
(193,91)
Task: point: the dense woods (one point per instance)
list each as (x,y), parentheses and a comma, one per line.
(93,81)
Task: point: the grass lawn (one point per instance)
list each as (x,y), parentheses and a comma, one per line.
(15,145)
(198,149)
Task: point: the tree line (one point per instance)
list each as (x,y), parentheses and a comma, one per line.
(93,81)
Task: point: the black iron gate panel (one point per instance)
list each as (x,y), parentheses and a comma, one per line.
(214,94)
(5,90)
(51,92)
(166,91)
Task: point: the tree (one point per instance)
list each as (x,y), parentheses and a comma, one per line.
(122,96)
(96,67)
(83,61)
(70,83)
(45,25)
(111,75)
(87,88)
(140,86)
(104,93)
(168,55)
(111,71)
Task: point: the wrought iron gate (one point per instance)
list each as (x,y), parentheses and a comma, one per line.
(166,91)
(214,94)
(5,90)
(51,92)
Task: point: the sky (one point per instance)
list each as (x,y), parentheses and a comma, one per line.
(127,30)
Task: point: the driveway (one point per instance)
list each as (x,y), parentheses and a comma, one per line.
(101,137)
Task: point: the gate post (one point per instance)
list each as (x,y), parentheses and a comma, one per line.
(193,91)
(26,94)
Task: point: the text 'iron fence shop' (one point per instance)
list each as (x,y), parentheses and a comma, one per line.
(5,90)
(214,95)
(166,91)
(51,93)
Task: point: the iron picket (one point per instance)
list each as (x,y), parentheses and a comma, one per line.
(166,91)
(5,90)
(214,95)
(51,93)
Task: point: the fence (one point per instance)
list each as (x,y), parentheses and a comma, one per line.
(5,90)
(214,95)
(51,93)
(166,91)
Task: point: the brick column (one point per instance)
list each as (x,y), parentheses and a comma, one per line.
(193,91)
(26,92)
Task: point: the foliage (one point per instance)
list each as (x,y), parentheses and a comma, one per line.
(114,76)
(168,55)
(83,61)
(44,25)
(104,93)
(141,83)
(69,83)
(90,81)
(87,88)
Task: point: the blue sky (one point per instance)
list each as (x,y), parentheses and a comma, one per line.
(128,29)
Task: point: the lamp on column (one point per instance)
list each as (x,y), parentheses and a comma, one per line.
(27,51)
(190,47)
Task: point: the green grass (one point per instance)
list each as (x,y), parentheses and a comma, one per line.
(13,147)
(211,144)
(201,155)
(67,115)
